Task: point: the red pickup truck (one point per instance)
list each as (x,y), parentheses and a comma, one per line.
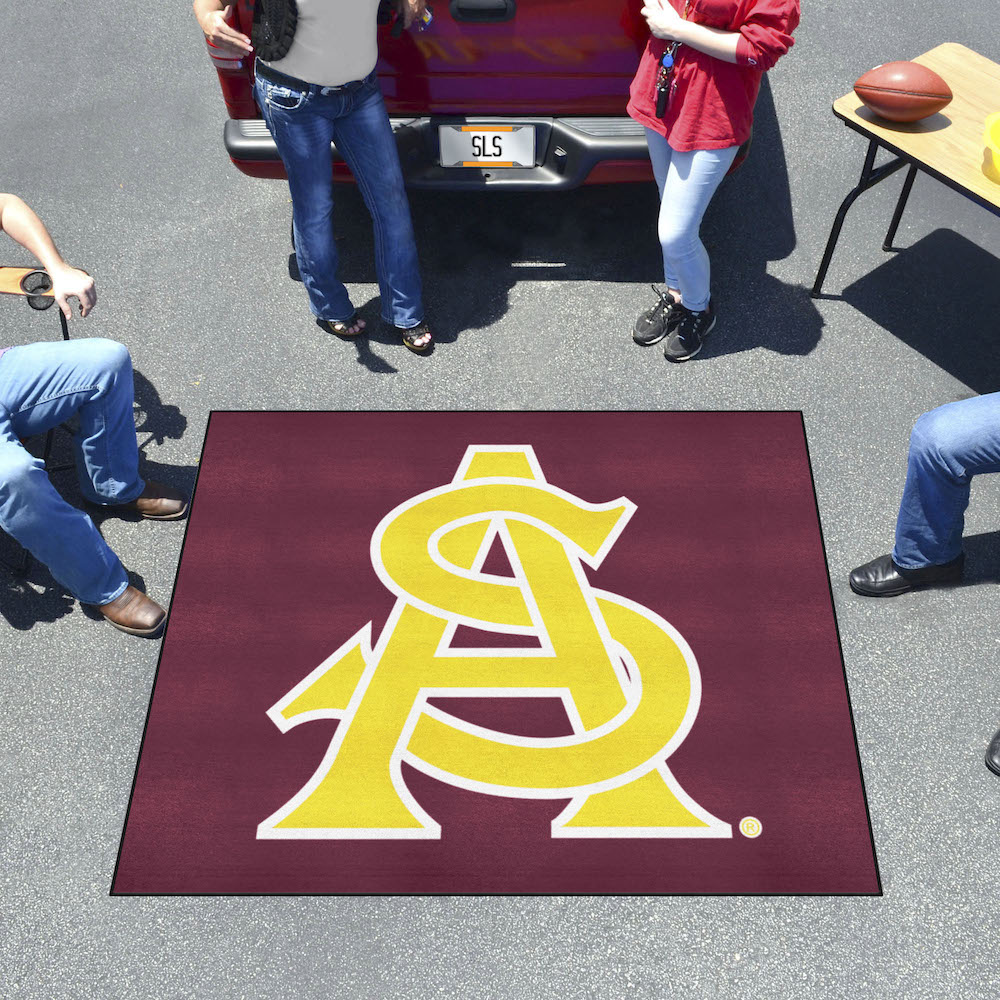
(518,94)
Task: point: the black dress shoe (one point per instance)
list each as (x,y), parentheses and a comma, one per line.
(993,754)
(883,578)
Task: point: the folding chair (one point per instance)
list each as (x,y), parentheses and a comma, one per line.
(35,287)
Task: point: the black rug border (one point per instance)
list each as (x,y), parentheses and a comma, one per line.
(515,895)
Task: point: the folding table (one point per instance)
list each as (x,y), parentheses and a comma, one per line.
(948,145)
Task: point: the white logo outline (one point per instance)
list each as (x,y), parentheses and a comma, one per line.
(625,669)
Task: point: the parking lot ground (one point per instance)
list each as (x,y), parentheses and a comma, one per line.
(112,130)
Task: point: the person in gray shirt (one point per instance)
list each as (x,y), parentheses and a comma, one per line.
(316,84)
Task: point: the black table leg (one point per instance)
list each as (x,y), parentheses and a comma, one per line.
(870,176)
(50,436)
(900,205)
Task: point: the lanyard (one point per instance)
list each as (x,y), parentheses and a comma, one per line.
(666,71)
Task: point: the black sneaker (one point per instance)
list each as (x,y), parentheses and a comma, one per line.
(654,324)
(688,338)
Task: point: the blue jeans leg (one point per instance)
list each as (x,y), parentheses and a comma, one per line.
(366,142)
(687,182)
(303,124)
(303,140)
(42,385)
(948,447)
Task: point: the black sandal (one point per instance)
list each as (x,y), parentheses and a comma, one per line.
(411,335)
(342,327)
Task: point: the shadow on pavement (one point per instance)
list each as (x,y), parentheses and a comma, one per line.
(22,605)
(749,224)
(982,558)
(153,417)
(375,332)
(474,247)
(942,297)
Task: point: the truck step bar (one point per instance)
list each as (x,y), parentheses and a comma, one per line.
(566,150)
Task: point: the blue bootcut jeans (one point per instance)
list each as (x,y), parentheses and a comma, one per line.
(948,447)
(41,386)
(303,122)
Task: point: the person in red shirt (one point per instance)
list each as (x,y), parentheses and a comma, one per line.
(694,92)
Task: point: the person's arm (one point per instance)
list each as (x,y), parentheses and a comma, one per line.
(664,22)
(21,224)
(211,15)
(760,42)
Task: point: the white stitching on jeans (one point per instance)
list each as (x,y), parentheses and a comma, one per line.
(58,395)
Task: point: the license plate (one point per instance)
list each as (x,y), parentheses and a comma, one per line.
(487,145)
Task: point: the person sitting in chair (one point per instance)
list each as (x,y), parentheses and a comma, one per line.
(41,386)
(948,447)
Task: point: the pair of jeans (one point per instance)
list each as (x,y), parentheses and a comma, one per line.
(41,386)
(687,182)
(948,447)
(303,120)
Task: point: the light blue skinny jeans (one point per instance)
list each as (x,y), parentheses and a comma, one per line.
(948,447)
(303,122)
(41,386)
(687,182)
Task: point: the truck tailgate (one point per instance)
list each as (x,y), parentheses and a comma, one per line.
(552,57)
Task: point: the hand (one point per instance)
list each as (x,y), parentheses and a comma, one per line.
(664,22)
(72,283)
(411,10)
(222,35)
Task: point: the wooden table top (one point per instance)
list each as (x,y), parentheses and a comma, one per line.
(949,143)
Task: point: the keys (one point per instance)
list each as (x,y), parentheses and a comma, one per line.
(661,101)
(663,79)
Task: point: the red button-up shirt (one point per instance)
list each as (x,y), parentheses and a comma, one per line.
(711,101)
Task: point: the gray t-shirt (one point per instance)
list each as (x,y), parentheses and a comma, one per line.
(335,42)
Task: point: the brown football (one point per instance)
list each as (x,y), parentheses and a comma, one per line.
(903,91)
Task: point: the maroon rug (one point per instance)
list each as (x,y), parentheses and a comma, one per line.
(500,653)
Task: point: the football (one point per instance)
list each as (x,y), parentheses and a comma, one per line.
(903,91)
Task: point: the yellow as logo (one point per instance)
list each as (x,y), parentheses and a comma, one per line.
(627,679)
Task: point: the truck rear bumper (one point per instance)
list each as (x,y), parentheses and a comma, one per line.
(568,153)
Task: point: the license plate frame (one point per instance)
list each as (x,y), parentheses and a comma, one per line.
(501,147)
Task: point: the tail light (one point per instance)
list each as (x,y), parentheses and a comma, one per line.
(224,60)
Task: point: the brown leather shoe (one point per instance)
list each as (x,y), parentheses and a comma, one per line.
(158,502)
(135,613)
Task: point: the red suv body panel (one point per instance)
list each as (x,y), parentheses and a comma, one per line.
(555,64)
(553,58)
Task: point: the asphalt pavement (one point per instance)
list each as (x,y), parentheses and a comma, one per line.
(111,128)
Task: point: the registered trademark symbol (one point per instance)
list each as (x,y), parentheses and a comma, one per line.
(751,827)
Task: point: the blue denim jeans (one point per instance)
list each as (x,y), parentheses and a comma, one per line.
(948,447)
(687,182)
(41,386)
(304,121)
